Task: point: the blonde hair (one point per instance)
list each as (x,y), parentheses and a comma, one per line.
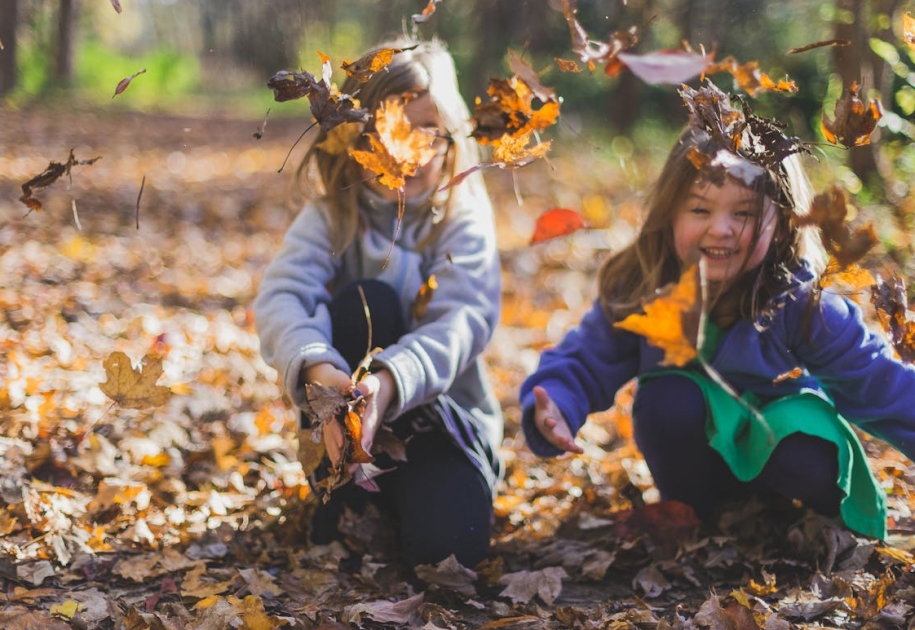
(635,274)
(422,67)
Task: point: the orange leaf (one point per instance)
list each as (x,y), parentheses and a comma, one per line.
(367,65)
(397,149)
(354,429)
(854,121)
(556,222)
(664,323)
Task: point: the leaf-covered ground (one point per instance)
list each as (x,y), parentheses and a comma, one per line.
(191,514)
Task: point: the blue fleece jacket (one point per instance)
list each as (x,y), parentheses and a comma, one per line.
(842,360)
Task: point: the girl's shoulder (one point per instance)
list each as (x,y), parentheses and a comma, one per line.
(798,286)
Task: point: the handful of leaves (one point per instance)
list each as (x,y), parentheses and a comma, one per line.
(329,409)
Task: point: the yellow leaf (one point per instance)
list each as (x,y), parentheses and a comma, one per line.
(67,610)
(397,149)
(135,389)
(663,322)
(341,138)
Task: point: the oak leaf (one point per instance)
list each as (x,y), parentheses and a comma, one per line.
(666,321)
(854,121)
(134,389)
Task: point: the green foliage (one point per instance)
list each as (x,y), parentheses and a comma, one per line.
(169,76)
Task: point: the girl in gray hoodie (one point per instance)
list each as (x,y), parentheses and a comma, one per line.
(361,246)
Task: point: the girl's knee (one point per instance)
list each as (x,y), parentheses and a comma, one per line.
(669,409)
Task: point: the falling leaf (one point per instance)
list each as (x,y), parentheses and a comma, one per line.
(750,78)
(556,222)
(828,212)
(509,110)
(526,73)
(791,374)
(341,138)
(427,12)
(260,130)
(328,108)
(514,152)
(854,121)
(117,5)
(123,84)
(566,65)
(363,68)
(397,150)
(890,301)
(423,297)
(666,66)
(908,29)
(665,321)
(47,177)
(135,389)
(590,51)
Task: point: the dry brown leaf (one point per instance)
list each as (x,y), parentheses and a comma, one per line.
(134,389)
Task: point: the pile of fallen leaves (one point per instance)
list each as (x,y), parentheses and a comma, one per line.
(134,498)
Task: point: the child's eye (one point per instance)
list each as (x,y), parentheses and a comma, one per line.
(698,210)
(745,214)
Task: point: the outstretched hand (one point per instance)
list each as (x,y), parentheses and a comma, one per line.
(551,423)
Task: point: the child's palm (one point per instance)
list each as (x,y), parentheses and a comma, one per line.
(552,424)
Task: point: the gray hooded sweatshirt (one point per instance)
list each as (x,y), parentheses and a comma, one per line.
(438,359)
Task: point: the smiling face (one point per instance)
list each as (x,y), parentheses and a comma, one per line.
(718,223)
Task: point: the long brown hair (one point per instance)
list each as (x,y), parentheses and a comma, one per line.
(634,275)
(423,67)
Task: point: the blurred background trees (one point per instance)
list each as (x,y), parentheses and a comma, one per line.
(213,58)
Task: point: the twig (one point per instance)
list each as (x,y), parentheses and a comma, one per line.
(142,185)
(286,159)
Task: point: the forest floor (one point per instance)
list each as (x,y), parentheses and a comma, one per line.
(191,514)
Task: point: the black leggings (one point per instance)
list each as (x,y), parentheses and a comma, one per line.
(669,428)
(441,504)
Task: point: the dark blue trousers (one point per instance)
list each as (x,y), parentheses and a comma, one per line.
(669,415)
(439,502)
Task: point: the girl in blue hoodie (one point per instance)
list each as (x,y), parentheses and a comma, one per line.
(359,243)
(767,318)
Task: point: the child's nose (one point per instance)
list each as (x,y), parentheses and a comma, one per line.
(721,225)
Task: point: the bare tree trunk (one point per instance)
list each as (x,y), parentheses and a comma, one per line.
(9,16)
(66,21)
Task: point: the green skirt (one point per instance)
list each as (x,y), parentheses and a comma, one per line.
(746,444)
